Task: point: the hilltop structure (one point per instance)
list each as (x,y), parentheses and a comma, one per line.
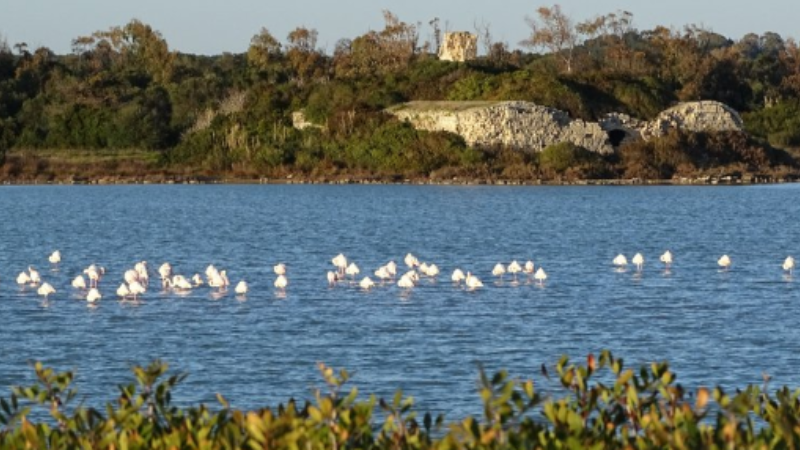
(459,46)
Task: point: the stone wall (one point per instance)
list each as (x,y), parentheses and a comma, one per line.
(459,46)
(525,125)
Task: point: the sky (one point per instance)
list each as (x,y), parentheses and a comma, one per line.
(213,27)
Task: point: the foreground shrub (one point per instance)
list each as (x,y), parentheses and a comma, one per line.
(599,404)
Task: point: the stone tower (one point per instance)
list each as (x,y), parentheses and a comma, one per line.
(459,46)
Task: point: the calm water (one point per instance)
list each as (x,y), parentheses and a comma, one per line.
(715,327)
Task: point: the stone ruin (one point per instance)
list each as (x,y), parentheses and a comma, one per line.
(525,125)
(459,46)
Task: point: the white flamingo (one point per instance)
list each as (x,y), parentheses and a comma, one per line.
(788,264)
(55,257)
(383,274)
(411,260)
(514,268)
(331,278)
(93,273)
(241,288)
(638,259)
(666,258)
(45,290)
(366,283)
(281,282)
(340,262)
(540,276)
(197,280)
(23,278)
(352,270)
(724,261)
(620,260)
(433,271)
(123,290)
(165,272)
(93,295)
(391,267)
(472,282)
(458,276)
(79,282)
(34,276)
(528,267)
(136,289)
(405,282)
(499,270)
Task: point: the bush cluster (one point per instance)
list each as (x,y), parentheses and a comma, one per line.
(598,404)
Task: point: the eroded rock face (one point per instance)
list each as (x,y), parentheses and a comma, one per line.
(528,126)
(459,46)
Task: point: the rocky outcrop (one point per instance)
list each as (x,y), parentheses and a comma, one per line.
(694,116)
(525,125)
(459,46)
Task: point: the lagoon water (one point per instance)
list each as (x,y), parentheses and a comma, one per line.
(715,327)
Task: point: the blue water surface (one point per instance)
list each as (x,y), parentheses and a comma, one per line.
(715,327)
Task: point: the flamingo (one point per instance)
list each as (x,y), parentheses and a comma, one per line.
(472,282)
(620,261)
(45,290)
(241,288)
(391,267)
(411,260)
(93,272)
(331,278)
(281,282)
(180,283)
(725,262)
(666,258)
(79,282)
(458,276)
(433,271)
(498,271)
(23,278)
(340,262)
(197,280)
(93,295)
(638,259)
(123,290)
(34,276)
(528,267)
(383,273)
(55,257)
(423,268)
(366,283)
(352,270)
(136,288)
(788,264)
(406,281)
(514,268)
(540,276)
(165,271)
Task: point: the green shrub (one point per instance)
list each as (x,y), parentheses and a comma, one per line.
(597,404)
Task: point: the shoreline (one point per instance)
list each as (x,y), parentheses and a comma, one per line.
(204,180)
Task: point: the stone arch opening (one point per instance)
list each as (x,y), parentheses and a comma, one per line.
(615,137)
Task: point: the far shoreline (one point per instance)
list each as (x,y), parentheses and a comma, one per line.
(205,180)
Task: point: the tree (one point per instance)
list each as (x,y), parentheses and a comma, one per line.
(553,31)
(304,58)
(264,53)
(134,46)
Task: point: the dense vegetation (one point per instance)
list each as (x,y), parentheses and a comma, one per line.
(601,405)
(124,103)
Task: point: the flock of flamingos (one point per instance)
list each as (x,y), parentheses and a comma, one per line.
(136,280)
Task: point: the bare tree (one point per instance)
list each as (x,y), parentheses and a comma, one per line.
(554,31)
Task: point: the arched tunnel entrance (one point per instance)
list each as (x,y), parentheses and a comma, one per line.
(615,137)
